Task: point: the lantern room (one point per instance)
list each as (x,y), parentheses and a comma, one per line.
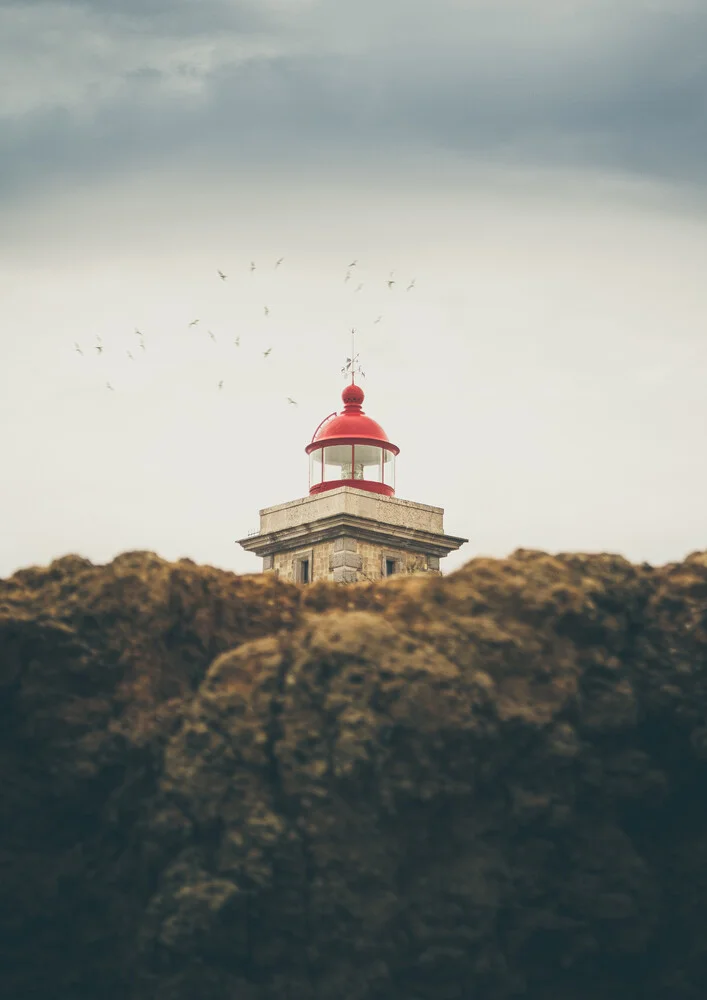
(351,449)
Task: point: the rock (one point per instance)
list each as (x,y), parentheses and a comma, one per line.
(485,784)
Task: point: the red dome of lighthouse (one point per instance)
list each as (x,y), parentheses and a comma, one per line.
(352,422)
(351,449)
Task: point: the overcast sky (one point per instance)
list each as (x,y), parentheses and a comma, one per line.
(537,166)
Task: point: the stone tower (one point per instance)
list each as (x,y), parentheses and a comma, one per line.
(351,527)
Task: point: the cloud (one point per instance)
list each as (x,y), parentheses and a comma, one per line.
(587,82)
(79,56)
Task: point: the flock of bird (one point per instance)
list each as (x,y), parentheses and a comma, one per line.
(391,282)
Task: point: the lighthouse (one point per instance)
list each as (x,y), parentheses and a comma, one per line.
(351,527)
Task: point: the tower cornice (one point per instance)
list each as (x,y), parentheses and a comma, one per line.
(365,529)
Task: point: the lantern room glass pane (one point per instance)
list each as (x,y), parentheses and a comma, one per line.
(337,462)
(315,467)
(389,468)
(368,460)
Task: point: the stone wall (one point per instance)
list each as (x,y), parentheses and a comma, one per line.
(388,510)
(285,563)
(347,560)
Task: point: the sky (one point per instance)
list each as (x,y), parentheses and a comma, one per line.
(538,167)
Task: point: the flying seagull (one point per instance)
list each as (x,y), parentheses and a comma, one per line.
(377,320)
(353,263)
(78,349)
(138,332)
(109,386)
(279,261)
(194,322)
(348,276)
(99,348)
(266,310)
(237,341)
(411,285)
(390,282)
(220,385)
(292,401)
(142,344)
(130,355)
(359,287)
(265,353)
(212,336)
(221,275)
(252,265)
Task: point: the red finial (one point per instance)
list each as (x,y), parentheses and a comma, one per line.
(352,397)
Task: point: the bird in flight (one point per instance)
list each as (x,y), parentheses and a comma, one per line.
(221,275)
(138,332)
(291,401)
(252,265)
(266,353)
(358,289)
(109,386)
(348,276)
(78,349)
(391,282)
(212,336)
(237,341)
(266,310)
(142,344)
(411,285)
(130,355)
(353,263)
(220,385)
(377,320)
(194,322)
(279,261)
(99,348)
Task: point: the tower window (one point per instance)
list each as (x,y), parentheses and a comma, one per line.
(303,571)
(389,567)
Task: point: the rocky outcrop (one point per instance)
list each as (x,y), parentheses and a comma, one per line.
(489,784)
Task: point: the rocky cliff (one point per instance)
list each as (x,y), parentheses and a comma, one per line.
(486,785)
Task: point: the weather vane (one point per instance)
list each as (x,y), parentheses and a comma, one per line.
(352,366)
